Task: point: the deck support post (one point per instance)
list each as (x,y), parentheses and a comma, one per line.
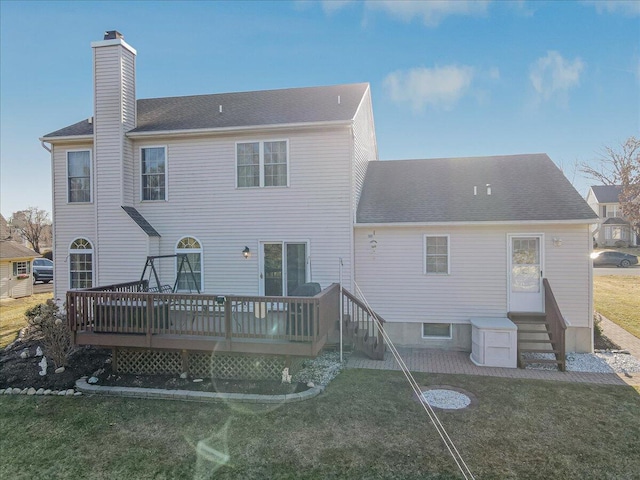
(185,361)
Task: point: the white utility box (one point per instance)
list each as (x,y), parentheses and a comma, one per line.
(494,342)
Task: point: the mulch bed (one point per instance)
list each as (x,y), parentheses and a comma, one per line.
(18,372)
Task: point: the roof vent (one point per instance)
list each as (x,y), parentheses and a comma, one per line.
(90,120)
(220,108)
(338,99)
(475,190)
(112,35)
(488,189)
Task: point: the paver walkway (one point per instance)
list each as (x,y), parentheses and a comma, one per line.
(444,361)
(620,336)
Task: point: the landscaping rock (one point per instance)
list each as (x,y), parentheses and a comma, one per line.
(93,380)
(31,391)
(197,380)
(1,391)
(77,394)
(16,391)
(70,392)
(8,391)
(62,393)
(43,366)
(47,392)
(24,354)
(183,375)
(39,352)
(59,370)
(40,391)
(24,391)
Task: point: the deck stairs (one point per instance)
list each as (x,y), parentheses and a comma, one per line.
(360,331)
(535,335)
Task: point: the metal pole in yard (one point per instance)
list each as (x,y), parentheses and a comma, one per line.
(340,316)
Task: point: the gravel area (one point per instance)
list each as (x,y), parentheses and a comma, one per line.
(446,399)
(615,361)
(322,369)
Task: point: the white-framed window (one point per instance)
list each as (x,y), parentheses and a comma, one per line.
(616,232)
(153,169)
(79,176)
(262,164)
(21,268)
(193,249)
(80,264)
(436,330)
(436,254)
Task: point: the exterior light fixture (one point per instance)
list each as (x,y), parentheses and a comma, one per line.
(557,241)
(246,252)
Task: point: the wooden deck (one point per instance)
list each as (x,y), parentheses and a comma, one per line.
(126,315)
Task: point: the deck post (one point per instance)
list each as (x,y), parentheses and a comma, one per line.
(227,319)
(185,361)
(114,359)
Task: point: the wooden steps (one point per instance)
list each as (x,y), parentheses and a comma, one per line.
(534,336)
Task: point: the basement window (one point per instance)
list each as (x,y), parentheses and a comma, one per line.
(436,330)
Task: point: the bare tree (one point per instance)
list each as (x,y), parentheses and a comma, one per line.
(33,224)
(621,166)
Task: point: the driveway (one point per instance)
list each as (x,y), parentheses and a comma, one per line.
(598,271)
(43,287)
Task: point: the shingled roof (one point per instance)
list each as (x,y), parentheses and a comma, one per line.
(523,188)
(607,193)
(10,249)
(240,109)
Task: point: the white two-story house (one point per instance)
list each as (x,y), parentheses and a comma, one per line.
(269,190)
(612,229)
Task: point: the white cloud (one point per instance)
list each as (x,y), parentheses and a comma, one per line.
(625,7)
(330,6)
(439,87)
(553,76)
(432,12)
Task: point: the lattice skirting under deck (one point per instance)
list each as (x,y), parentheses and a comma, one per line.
(205,365)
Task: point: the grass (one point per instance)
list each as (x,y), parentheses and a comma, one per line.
(617,297)
(12,317)
(365,425)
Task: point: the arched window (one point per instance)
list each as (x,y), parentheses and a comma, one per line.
(80,264)
(193,249)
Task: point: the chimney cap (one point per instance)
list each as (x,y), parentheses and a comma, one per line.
(112,35)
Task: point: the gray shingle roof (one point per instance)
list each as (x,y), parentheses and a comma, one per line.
(10,249)
(141,221)
(607,193)
(523,188)
(615,221)
(240,109)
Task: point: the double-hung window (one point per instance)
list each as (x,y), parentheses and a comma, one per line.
(79,176)
(262,164)
(436,254)
(153,162)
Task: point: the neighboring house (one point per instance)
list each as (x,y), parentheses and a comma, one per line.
(612,230)
(7,232)
(15,270)
(268,190)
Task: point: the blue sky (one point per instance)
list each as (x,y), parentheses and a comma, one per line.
(448,79)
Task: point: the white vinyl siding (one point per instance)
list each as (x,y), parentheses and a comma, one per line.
(262,164)
(477,284)
(206,204)
(364,146)
(79,176)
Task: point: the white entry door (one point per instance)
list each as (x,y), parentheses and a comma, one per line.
(525,273)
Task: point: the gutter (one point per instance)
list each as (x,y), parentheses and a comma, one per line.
(208,131)
(69,138)
(475,223)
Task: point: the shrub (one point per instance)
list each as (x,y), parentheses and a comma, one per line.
(48,325)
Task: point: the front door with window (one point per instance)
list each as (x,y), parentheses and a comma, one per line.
(525,273)
(283,267)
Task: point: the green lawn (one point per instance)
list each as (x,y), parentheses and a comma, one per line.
(618,298)
(365,425)
(12,317)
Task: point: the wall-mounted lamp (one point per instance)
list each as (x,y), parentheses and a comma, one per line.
(246,252)
(557,241)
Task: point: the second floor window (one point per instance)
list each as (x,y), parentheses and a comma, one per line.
(79,176)
(262,164)
(153,166)
(436,254)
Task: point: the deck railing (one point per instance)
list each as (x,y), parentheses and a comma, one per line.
(122,314)
(557,325)
(362,327)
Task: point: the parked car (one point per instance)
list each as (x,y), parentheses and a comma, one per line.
(42,270)
(610,257)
